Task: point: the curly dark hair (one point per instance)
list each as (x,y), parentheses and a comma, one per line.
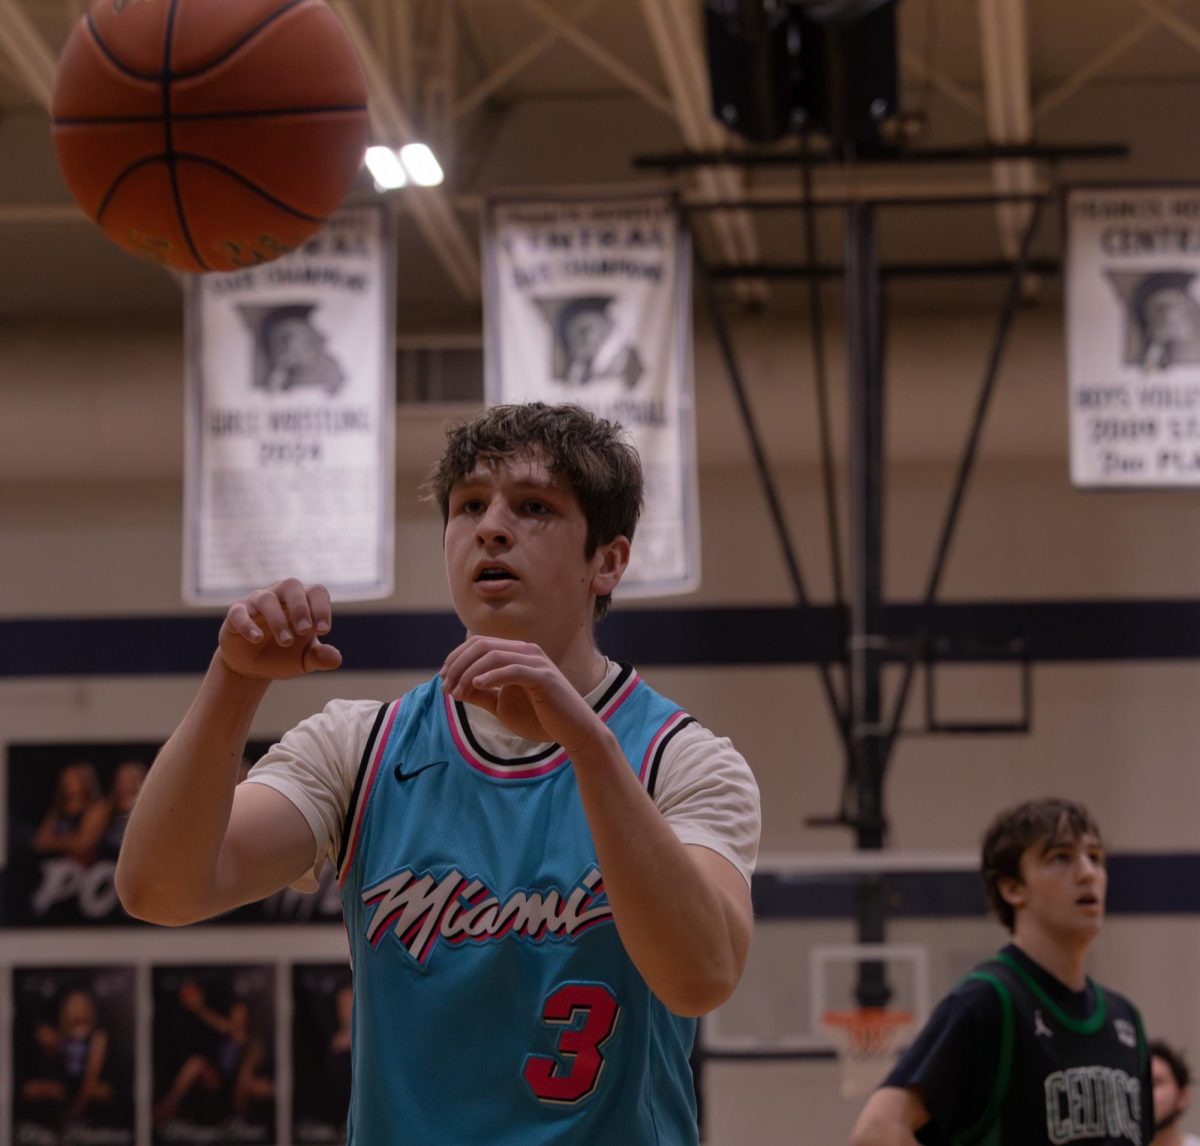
(1174,1059)
(1014,830)
(593,454)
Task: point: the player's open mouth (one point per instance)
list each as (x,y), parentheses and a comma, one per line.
(494,573)
(1088,901)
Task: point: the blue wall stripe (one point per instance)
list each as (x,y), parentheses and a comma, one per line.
(1139,883)
(962,631)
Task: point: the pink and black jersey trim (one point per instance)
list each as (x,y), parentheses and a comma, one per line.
(538,763)
(648,772)
(368,769)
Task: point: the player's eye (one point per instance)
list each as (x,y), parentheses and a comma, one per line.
(536,507)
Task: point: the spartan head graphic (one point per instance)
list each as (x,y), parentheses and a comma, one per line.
(289,351)
(1162,318)
(586,345)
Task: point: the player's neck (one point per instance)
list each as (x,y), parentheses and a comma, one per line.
(1067,962)
(583,667)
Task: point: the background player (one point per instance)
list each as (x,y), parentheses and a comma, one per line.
(1172,1079)
(514,993)
(1027,1049)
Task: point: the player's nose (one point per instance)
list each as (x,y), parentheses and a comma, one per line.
(495,523)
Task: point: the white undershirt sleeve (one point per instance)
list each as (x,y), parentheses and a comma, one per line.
(707,793)
(315,765)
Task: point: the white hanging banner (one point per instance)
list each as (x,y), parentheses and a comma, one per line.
(290,418)
(1133,335)
(590,303)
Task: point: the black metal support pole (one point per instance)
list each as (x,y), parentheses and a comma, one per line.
(774,505)
(864,338)
(966,465)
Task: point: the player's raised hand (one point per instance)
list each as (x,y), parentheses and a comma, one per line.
(275,633)
(523,687)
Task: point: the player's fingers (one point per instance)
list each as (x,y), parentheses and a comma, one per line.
(294,596)
(522,667)
(239,620)
(320,608)
(459,658)
(320,657)
(515,673)
(270,614)
(461,661)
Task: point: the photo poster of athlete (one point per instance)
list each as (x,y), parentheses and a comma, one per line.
(214,1057)
(73,1036)
(67,809)
(321,1006)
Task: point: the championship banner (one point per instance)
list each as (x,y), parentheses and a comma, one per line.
(590,303)
(290,418)
(1133,335)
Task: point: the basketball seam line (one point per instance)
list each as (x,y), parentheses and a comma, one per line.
(169,158)
(166,74)
(196,116)
(168,44)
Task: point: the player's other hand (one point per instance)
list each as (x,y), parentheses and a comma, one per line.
(275,633)
(523,687)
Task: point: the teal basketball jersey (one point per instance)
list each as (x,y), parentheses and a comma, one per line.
(493,1001)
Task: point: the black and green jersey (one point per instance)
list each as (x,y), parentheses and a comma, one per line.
(1013,1057)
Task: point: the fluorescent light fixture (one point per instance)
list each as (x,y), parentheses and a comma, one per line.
(384,164)
(421,165)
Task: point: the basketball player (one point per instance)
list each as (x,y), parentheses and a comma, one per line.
(505,990)
(1172,1078)
(1027,1049)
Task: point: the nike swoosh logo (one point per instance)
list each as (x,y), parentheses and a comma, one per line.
(401,775)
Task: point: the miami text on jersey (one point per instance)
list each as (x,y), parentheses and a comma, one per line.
(424,910)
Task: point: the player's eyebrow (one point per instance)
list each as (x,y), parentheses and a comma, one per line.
(1057,842)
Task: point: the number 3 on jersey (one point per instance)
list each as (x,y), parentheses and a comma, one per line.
(587,1014)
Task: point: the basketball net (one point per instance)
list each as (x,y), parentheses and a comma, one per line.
(866,1042)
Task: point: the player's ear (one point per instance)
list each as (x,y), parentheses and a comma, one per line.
(613,560)
(1012,890)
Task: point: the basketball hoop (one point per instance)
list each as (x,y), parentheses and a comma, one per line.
(865,1039)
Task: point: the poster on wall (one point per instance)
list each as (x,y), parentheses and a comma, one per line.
(214,1055)
(1133,335)
(321,1009)
(590,303)
(72,1056)
(67,809)
(290,418)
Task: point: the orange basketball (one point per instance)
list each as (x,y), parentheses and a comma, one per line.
(209,135)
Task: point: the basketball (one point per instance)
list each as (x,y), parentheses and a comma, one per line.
(209,135)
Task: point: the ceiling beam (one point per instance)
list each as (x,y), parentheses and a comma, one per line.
(1008,109)
(1079,79)
(29,54)
(675,32)
(951,89)
(517,63)
(615,67)
(1175,23)
(430,206)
